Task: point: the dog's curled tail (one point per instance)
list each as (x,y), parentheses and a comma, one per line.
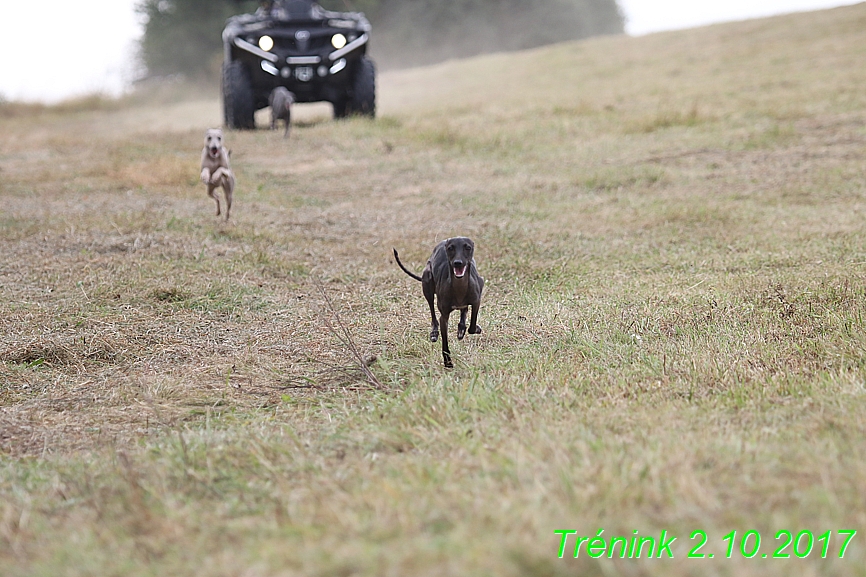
(413,275)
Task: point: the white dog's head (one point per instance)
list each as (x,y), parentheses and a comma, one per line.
(213,142)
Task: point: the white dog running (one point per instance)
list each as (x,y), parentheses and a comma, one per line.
(215,170)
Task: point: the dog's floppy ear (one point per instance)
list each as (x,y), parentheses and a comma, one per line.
(230,152)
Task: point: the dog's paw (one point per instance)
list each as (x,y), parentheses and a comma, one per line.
(434,336)
(476,330)
(461,332)
(449,364)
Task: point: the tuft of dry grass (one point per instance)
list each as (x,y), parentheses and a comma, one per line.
(670,228)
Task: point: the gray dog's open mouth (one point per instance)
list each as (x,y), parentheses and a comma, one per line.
(214,151)
(459,271)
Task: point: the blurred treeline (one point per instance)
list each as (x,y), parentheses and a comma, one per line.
(184,36)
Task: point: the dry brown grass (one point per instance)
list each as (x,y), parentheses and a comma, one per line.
(671,232)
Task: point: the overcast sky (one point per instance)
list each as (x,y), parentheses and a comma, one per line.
(645,16)
(67,48)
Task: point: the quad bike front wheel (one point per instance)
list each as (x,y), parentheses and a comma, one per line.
(238,101)
(363,98)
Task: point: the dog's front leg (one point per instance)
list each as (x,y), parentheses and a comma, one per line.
(461,326)
(205,175)
(218,175)
(446,352)
(429,294)
(474,329)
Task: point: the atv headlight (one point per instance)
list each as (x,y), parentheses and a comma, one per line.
(266,43)
(338,41)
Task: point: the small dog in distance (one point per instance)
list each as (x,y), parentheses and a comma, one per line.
(281,101)
(215,169)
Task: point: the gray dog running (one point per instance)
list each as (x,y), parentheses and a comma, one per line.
(452,278)
(281,101)
(215,169)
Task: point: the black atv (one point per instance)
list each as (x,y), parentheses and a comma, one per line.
(317,54)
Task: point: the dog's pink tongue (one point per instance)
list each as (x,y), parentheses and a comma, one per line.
(459,272)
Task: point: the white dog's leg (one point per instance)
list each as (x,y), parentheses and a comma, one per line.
(228,184)
(210,193)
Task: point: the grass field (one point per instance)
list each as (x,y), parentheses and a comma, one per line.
(672,232)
